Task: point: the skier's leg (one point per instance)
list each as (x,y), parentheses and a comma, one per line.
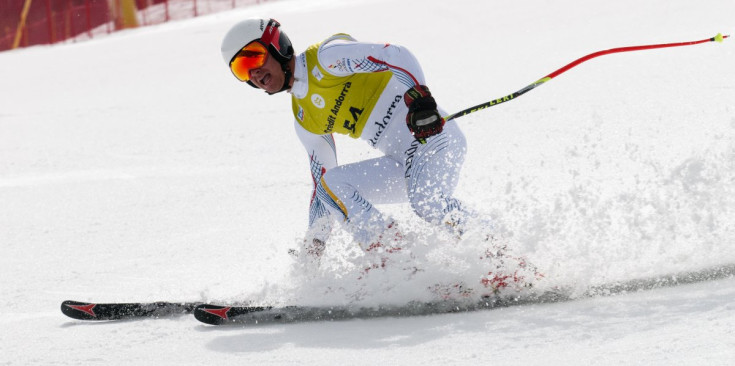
(350,191)
(432,174)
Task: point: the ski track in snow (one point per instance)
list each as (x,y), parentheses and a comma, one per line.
(134,168)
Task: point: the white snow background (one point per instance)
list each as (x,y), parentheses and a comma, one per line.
(136,168)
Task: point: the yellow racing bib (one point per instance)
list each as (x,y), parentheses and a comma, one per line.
(340,104)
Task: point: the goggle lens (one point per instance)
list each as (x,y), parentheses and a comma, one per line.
(250,57)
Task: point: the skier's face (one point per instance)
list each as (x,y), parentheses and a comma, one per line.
(269,77)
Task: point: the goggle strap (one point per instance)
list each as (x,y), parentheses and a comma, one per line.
(271,35)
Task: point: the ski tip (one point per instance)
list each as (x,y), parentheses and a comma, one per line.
(212,314)
(78,310)
(224,314)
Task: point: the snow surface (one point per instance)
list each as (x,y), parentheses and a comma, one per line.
(135,168)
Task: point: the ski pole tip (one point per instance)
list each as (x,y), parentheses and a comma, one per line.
(719,37)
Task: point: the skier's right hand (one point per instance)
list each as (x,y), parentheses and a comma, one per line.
(423,119)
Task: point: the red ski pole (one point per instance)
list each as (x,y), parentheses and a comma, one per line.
(718,38)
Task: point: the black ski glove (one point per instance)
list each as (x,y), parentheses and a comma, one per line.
(423,119)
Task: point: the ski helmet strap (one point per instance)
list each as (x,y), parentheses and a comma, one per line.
(287,79)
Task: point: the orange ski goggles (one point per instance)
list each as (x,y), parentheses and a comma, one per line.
(252,56)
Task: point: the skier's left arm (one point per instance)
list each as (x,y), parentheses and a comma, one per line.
(322,157)
(343,56)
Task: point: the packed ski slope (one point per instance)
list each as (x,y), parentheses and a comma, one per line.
(135,168)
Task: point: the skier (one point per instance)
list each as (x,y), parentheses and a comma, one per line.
(374,92)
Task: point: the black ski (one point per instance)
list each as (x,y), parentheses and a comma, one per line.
(223,314)
(117,311)
(250,314)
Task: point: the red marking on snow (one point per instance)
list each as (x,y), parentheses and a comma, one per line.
(496,282)
(374,246)
(84,308)
(222,313)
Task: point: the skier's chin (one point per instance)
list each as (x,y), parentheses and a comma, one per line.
(272,86)
(272,90)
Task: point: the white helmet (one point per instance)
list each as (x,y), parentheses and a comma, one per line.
(268,32)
